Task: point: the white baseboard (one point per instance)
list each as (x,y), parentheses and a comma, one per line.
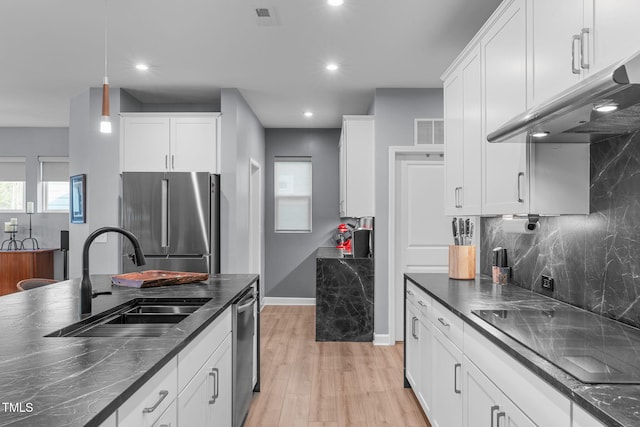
(288,301)
(382,339)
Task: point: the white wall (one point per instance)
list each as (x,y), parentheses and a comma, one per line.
(96,155)
(395,111)
(243,139)
(31,143)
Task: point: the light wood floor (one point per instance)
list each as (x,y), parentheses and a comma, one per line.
(309,383)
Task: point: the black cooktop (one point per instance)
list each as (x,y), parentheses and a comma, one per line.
(592,348)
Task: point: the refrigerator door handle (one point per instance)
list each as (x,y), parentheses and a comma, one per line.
(164,220)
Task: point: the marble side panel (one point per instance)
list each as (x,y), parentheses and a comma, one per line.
(594,259)
(344,299)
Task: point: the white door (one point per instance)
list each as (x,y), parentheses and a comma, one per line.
(255,221)
(423,232)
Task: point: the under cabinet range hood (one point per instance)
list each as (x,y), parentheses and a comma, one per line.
(600,107)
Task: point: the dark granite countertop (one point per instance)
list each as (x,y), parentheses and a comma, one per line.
(613,404)
(82,381)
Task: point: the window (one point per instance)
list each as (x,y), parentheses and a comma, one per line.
(12,184)
(54,184)
(292,193)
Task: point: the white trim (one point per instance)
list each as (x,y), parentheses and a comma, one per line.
(382,339)
(288,301)
(394,151)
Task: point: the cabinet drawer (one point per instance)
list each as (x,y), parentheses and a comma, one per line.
(152,399)
(446,322)
(192,357)
(549,408)
(169,418)
(419,299)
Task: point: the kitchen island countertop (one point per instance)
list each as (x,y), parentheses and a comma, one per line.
(80,381)
(612,404)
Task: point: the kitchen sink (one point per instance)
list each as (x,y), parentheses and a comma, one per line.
(141,317)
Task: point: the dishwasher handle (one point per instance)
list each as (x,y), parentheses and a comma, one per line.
(247,303)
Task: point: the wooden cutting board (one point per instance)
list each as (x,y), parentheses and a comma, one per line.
(152,278)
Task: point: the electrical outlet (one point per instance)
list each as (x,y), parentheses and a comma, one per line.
(547,283)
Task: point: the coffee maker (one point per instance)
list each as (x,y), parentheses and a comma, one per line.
(343,238)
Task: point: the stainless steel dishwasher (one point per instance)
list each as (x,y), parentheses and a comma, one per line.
(243,314)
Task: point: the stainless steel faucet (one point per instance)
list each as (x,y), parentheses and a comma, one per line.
(86,290)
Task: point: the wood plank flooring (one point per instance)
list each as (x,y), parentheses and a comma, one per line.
(327,384)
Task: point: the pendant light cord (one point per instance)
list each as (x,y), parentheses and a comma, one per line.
(105,38)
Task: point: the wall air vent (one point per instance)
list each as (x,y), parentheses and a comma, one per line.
(266,16)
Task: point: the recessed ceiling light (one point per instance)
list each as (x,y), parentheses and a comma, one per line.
(308,114)
(539,134)
(335,2)
(142,67)
(332,66)
(606,108)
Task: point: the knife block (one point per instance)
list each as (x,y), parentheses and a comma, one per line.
(462,262)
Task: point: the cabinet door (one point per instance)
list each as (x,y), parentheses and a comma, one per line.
(425,381)
(484,404)
(193,401)
(145,144)
(194,144)
(221,379)
(554,25)
(447,382)
(453,147)
(504,49)
(471,194)
(343,176)
(359,145)
(615,34)
(412,348)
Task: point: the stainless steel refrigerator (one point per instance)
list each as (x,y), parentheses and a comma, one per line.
(176,218)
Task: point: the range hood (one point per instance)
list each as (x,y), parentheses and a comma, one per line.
(576,114)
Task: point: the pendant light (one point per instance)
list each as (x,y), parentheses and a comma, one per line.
(105,122)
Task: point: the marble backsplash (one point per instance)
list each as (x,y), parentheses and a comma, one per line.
(594,259)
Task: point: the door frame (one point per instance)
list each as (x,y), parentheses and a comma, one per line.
(256,237)
(394,153)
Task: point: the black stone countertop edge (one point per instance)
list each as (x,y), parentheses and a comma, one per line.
(553,375)
(97,374)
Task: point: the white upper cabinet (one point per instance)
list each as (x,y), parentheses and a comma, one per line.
(572,39)
(169,142)
(356,167)
(505,180)
(463,136)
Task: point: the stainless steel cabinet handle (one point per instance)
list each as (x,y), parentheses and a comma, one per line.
(413,327)
(163,394)
(166,161)
(520,199)
(455,378)
(409,292)
(574,39)
(443,322)
(500,415)
(165,425)
(584,34)
(494,408)
(173,161)
(215,373)
(422,303)
(457,197)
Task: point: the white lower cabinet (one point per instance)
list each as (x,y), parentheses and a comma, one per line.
(447,382)
(206,400)
(169,418)
(581,418)
(484,405)
(146,405)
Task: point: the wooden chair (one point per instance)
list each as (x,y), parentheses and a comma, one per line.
(26,284)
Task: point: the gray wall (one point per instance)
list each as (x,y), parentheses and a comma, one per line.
(290,257)
(242,141)
(595,258)
(96,155)
(31,143)
(395,111)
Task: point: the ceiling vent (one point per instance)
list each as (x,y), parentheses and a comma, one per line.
(266,16)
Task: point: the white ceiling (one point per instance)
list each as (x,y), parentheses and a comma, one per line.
(51,51)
